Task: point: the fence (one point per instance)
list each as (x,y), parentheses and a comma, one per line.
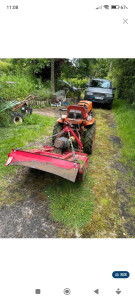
(39,103)
(42,103)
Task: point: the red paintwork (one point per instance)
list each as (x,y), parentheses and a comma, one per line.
(61,160)
(65,161)
(77,107)
(46,155)
(67,128)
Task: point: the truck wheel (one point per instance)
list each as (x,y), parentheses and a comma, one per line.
(88,139)
(109,106)
(17,118)
(56,130)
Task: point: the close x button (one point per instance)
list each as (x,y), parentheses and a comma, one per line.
(120,274)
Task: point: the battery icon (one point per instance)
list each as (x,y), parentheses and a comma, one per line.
(115,6)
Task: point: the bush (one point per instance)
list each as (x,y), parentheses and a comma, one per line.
(131,95)
(5,119)
(45,93)
(5,66)
(79,83)
(22,87)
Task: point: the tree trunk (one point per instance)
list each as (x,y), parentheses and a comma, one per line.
(110,69)
(52,75)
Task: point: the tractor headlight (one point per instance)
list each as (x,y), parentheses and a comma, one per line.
(109,95)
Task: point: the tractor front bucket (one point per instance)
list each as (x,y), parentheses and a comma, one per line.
(63,165)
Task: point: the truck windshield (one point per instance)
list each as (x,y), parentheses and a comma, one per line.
(100,84)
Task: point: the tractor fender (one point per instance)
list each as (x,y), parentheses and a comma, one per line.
(88,123)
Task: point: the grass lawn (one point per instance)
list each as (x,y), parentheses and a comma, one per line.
(125,119)
(70,203)
(33,128)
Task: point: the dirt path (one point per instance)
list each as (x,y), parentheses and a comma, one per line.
(26,214)
(25,209)
(49,111)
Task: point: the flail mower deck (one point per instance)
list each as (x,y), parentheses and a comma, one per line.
(61,159)
(48,161)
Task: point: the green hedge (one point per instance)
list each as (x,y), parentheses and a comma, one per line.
(79,83)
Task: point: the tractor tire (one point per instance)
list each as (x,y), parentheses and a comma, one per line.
(87,139)
(17,118)
(56,130)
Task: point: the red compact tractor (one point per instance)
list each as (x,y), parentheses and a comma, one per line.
(80,119)
(73,138)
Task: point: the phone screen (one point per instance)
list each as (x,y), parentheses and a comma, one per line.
(67,150)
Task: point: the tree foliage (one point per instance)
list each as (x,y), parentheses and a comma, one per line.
(31,74)
(123,72)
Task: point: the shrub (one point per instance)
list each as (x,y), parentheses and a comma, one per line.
(22,87)
(79,83)
(5,118)
(45,93)
(5,66)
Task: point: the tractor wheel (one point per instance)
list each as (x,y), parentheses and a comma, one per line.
(56,130)
(88,139)
(17,118)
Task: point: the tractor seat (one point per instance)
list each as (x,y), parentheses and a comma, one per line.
(75,114)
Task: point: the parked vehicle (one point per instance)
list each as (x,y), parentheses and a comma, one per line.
(100,91)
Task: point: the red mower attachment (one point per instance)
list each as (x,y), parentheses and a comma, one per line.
(76,130)
(46,160)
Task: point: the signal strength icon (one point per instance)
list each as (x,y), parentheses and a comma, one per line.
(99,7)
